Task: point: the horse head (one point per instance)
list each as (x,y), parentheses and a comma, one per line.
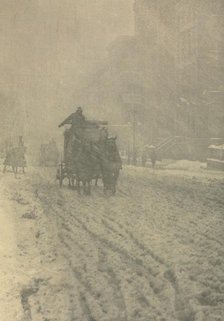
(111,144)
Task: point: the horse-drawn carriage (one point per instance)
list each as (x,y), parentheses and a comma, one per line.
(89,154)
(15,157)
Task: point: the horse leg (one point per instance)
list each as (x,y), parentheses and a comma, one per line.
(115,178)
(69,182)
(88,191)
(84,187)
(96,180)
(14,171)
(105,187)
(73,182)
(113,188)
(104,184)
(78,185)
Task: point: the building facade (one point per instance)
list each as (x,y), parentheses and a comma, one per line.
(166,79)
(138,83)
(155,30)
(199,67)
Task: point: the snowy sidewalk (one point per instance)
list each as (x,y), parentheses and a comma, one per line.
(10,306)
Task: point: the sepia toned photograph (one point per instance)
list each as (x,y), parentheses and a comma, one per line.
(111,160)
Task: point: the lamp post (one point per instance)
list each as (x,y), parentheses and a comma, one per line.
(135,124)
(134,156)
(132,100)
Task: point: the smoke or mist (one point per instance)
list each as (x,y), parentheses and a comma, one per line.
(49,50)
(106,55)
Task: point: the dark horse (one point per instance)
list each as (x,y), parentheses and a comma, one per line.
(91,160)
(111,164)
(15,157)
(85,166)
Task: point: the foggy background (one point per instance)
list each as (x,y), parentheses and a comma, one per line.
(49,51)
(155,69)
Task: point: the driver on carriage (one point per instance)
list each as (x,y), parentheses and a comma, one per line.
(76,119)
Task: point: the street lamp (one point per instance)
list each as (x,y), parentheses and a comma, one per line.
(133,100)
(134,127)
(134,159)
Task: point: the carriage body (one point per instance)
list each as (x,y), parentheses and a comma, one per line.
(15,158)
(89,153)
(88,133)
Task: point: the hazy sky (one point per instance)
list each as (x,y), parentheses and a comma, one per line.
(49,48)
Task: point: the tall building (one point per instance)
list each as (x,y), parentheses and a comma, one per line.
(200,67)
(155,30)
(139,81)
(167,78)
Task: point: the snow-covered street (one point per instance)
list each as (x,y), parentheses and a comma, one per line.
(155,251)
